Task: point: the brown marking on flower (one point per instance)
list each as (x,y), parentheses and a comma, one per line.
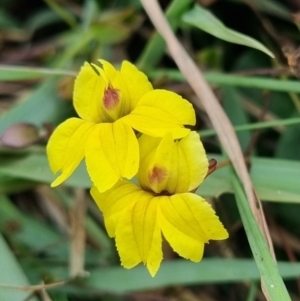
(111,98)
(157,175)
(212,166)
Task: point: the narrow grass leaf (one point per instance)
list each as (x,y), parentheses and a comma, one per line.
(232,80)
(11,73)
(155,48)
(43,105)
(65,14)
(172,273)
(206,21)
(268,269)
(12,274)
(271,7)
(256,126)
(286,147)
(233,107)
(35,167)
(31,232)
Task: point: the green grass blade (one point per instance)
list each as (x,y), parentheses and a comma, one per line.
(155,48)
(207,271)
(11,274)
(255,126)
(270,7)
(43,105)
(274,180)
(206,21)
(233,80)
(63,12)
(35,167)
(11,73)
(232,105)
(171,273)
(19,73)
(268,269)
(31,232)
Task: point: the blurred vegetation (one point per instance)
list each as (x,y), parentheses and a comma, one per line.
(42,46)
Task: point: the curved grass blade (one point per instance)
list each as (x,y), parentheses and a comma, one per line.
(206,21)
(11,73)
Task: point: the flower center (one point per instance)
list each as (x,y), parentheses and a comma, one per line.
(111,98)
(157,175)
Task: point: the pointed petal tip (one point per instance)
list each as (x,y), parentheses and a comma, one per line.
(57,181)
(152,273)
(223,234)
(129,264)
(152,269)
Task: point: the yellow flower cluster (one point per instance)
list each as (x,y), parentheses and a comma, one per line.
(168,159)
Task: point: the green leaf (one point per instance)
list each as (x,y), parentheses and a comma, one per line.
(232,80)
(42,18)
(35,167)
(232,105)
(207,271)
(64,13)
(267,266)
(256,126)
(7,21)
(286,147)
(12,274)
(206,21)
(155,48)
(11,73)
(43,105)
(30,232)
(270,7)
(171,273)
(36,235)
(110,33)
(274,180)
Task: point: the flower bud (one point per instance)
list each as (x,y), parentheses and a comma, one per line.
(20,135)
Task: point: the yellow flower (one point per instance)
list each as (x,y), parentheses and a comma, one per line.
(111,105)
(137,216)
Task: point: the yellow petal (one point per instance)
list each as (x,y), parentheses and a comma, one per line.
(113,201)
(160,112)
(88,94)
(172,166)
(189,165)
(136,81)
(107,71)
(118,87)
(138,236)
(112,152)
(65,148)
(156,155)
(187,222)
(130,216)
